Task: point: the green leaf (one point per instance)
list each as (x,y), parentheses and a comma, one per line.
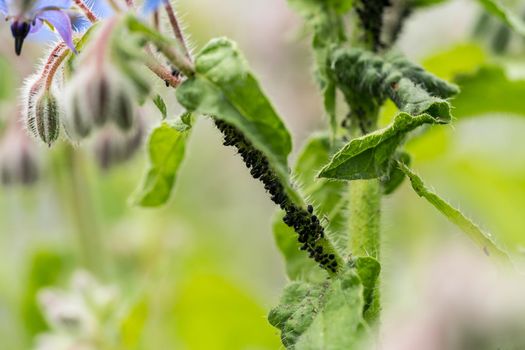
(329,200)
(500,94)
(370,156)
(224,88)
(482,239)
(166,149)
(325,315)
(368,270)
(505,14)
(367,79)
(161,105)
(418,75)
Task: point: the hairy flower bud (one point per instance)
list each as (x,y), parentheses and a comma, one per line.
(94,98)
(18,163)
(42,112)
(47,118)
(113,146)
(102,89)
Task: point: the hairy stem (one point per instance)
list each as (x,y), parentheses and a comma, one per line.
(177,31)
(365,206)
(86,10)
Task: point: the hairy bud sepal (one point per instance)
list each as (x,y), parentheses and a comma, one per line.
(43,118)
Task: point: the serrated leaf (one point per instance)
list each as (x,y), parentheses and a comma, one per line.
(506,15)
(367,79)
(325,315)
(368,270)
(329,200)
(418,75)
(223,87)
(500,94)
(161,105)
(481,238)
(370,156)
(166,148)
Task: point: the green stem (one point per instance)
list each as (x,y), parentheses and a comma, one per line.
(365,207)
(82,213)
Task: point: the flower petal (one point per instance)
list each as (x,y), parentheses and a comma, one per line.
(151,5)
(41,5)
(37,25)
(62,24)
(79,23)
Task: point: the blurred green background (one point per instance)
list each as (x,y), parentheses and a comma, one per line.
(202,272)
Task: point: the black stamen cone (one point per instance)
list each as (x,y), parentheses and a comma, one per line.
(20,30)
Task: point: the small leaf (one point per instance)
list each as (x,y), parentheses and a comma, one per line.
(166,148)
(482,239)
(506,15)
(184,122)
(368,270)
(325,315)
(224,87)
(370,156)
(161,105)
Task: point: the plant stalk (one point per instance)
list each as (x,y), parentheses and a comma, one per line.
(365,214)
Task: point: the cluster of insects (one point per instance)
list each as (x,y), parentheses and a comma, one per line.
(304,222)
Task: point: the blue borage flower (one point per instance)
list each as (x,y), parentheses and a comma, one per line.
(28,16)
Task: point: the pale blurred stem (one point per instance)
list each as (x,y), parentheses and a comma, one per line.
(83,213)
(176,28)
(156,20)
(160,70)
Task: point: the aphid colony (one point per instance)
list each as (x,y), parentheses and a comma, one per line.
(304,222)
